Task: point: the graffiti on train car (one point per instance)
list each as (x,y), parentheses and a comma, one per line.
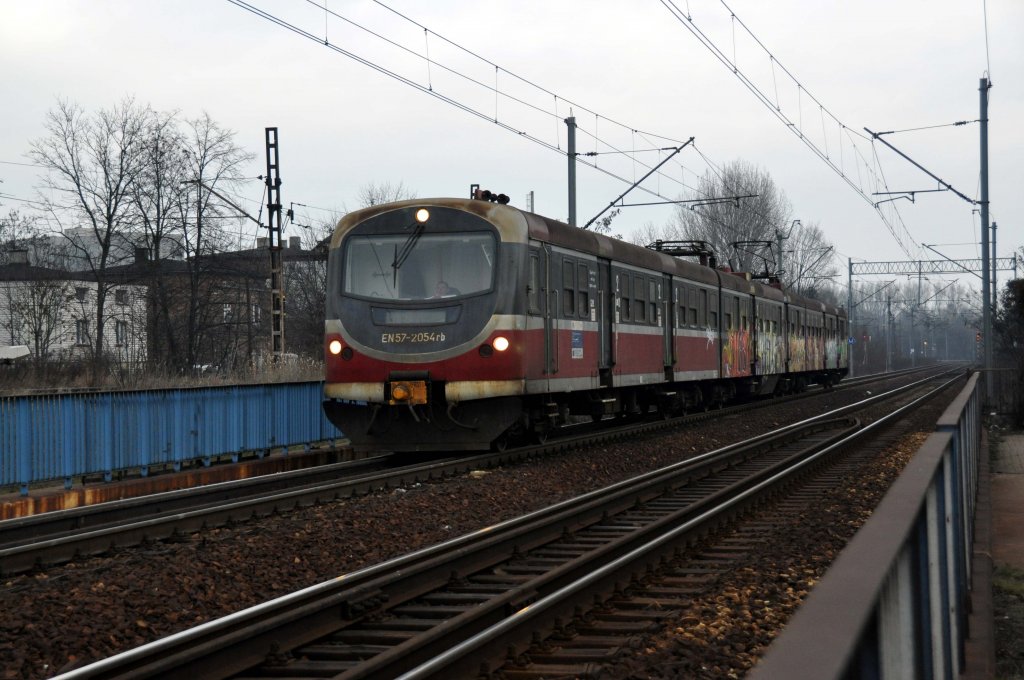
(736,353)
(770,355)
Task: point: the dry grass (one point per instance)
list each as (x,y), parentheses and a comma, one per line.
(26,379)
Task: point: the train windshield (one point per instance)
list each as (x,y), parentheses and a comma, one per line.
(420,267)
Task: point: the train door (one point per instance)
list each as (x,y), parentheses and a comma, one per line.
(666,303)
(677,319)
(756,333)
(548,307)
(605,319)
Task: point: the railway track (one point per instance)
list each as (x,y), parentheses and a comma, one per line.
(442,611)
(52,538)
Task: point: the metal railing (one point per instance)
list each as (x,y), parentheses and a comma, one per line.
(894,603)
(63,436)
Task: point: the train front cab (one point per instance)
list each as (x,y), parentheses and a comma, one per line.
(412,364)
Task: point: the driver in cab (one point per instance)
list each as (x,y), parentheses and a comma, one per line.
(444,290)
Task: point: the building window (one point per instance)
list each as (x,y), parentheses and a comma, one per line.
(81,332)
(257,314)
(121,332)
(121,296)
(80,294)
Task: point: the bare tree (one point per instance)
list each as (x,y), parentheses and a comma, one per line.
(92,163)
(306,283)
(809,262)
(159,185)
(741,204)
(214,166)
(35,308)
(158,196)
(722,218)
(376,193)
(16,231)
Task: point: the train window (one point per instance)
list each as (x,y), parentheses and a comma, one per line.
(680,306)
(583,292)
(702,311)
(464,261)
(640,311)
(653,298)
(568,288)
(624,303)
(533,286)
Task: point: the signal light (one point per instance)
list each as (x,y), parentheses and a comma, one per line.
(487,195)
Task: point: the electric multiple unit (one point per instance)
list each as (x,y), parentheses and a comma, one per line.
(464,324)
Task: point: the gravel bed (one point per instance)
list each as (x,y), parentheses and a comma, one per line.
(724,632)
(77,613)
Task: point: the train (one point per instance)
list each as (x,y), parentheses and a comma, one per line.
(458,324)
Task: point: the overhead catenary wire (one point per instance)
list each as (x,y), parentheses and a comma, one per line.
(432,90)
(898,231)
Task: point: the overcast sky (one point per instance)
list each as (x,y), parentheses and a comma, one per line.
(875,63)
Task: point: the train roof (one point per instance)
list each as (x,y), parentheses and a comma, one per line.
(517,224)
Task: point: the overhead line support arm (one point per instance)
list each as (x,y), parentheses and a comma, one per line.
(878,136)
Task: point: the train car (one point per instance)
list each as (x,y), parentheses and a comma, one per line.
(464,324)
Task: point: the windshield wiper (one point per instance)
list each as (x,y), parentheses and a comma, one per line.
(402,255)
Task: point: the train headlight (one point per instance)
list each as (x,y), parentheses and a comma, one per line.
(334,347)
(500,343)
(422,215)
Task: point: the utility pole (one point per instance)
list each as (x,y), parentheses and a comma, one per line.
(273,180)
(571,123)
(986,307)
(849,289)
(888,332)
(914,342)
(995,276)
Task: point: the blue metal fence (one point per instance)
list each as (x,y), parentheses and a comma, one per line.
(62,436)
(894,603)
